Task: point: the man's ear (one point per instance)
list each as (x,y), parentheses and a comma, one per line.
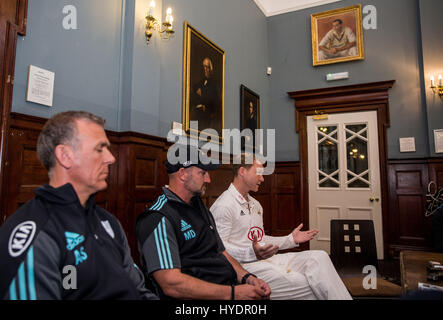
(64,155)
(182,174)
(241,171)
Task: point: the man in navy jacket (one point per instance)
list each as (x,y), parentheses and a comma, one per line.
(60,245)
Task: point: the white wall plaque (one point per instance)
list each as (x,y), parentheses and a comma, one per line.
(438,140)
(407,144)
(40,86)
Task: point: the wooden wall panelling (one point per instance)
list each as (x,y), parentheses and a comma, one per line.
(220,181)
(285,199)
(15,11)
(408,227)
(12,22)
(436,171)
(141,175)
(23,171)
(287,213)
(7,81)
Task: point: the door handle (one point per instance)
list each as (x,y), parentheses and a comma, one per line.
(372,199)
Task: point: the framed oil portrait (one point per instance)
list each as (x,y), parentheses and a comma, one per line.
(249,112)
(337,36)
(203,85)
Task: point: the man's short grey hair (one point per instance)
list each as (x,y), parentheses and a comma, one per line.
(61,129)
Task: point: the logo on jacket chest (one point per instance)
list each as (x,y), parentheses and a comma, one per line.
(187,231)
(21,237)
(73,240)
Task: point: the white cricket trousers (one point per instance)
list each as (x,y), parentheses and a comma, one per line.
(307,275)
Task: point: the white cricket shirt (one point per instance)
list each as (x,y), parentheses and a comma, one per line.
(237,221)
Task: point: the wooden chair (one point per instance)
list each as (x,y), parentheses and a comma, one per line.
(352,248)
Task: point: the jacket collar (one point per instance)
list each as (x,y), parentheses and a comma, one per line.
(171,195)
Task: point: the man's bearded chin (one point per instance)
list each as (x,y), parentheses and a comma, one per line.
(202,191)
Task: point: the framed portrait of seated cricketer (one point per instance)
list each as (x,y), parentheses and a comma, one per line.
(203,86)
(337,36)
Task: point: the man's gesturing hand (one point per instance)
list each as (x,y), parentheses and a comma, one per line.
(303,236)
(263,252)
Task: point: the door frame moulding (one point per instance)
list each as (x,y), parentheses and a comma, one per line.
(12,23)
(354,98)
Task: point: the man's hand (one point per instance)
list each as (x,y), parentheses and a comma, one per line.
(257,282)
(263,252)
(251,292)
(303,236)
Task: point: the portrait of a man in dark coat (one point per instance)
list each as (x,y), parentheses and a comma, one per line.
(206,99)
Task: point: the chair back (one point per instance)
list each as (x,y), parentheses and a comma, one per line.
(353,244)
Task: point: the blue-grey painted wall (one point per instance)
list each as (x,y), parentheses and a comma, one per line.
(86,61)
(106,66)
(431,26)
(238,27)
(392,52)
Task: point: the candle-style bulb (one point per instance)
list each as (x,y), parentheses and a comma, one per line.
(168,11)
(432,81)
(440,80)
(151,7)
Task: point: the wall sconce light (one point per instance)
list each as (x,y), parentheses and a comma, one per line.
(152,24)
(437,88)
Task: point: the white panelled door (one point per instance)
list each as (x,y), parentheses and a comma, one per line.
(344,173)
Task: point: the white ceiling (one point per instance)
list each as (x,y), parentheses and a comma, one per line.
(274,7)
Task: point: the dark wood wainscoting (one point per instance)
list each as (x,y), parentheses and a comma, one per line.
(436,172)
(13,20)
(408,228)
(135,180)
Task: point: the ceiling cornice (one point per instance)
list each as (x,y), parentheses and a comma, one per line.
(276,7)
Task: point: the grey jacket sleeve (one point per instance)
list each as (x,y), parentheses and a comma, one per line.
(134,272)
(38,277)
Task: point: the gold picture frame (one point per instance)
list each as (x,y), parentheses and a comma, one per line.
(337,36)
(203,85)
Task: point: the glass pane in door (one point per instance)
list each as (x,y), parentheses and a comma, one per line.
(357,156)
(328,168)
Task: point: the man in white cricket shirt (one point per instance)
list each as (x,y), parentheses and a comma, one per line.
(339,42)
(306,275)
